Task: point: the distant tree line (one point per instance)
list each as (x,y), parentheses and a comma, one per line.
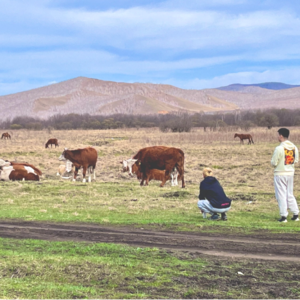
(181,122)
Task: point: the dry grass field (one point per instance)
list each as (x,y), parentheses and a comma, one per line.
(243,170)
(76,265)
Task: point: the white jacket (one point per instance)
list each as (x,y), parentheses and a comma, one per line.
(284,158)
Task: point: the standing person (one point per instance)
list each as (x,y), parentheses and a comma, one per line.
(284,158)
(212,198)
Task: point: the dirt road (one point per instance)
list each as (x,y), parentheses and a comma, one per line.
(280,247)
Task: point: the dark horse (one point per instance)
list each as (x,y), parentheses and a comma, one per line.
(6,135)
(244,137)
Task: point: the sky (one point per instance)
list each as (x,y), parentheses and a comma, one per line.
(186,43)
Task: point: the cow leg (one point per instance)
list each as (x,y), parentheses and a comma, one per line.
(90,170)
(172,179)
(143,179)
(75,173)
(83,174)
(167,174)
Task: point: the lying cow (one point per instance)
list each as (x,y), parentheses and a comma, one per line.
(85,158)
(66,168)
(18,171)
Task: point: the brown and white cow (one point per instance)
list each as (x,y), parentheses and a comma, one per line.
(155,174)
(18,171)
(157,157)
(51,142)
(5,135)
(85,158)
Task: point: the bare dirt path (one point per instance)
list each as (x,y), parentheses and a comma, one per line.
(281,247)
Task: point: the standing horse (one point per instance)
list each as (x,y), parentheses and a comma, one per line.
(6,135)
(244,137)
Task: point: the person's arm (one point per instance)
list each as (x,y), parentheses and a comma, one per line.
(296,155)
(202,193)
(276,157)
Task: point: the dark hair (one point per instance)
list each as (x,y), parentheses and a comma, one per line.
(284,132)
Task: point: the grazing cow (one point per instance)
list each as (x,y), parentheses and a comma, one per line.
(18,171)
(85,158)
(6,136)
(51,142)
(158,157)
(244,137)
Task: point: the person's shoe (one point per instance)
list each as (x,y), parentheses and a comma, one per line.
(295,218)
(223,217)
(282,220)
(214,217)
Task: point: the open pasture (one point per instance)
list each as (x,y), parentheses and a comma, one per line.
(116,198)
(43,269)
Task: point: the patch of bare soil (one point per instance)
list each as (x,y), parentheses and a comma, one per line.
(279,247)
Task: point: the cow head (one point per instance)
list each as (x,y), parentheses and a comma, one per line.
(46,145)
(235,135)
(127,165)
(62,156)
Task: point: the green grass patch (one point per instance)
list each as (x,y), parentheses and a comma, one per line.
(34,269)
(127,203)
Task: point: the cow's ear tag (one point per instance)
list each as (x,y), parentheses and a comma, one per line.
(139,163)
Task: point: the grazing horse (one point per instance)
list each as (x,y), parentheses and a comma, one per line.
(244,137)
(6,135)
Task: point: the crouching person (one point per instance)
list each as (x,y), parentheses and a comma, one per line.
(212,198)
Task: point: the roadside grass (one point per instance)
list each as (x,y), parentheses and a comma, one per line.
(34,269)
(127,203)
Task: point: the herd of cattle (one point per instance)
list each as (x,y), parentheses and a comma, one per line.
(150,163)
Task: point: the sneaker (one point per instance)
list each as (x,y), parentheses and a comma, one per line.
(295,218)
(223,217)
(282,220)
(214,217)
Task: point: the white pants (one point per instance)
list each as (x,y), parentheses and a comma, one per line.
(206,207)
(284,194)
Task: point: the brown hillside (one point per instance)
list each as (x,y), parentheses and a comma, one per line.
(93,96)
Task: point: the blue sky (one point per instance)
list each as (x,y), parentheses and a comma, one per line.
(190,44)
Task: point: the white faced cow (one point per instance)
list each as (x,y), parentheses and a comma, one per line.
(85,158)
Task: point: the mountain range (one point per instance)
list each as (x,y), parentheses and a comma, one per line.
(93,96)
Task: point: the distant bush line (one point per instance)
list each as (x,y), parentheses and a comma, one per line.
(181,122)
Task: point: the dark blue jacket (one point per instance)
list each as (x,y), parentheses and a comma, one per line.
(211,190)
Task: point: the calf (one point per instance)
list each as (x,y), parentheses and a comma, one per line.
(157,157)
(85,158)
(51,142)
(155,174)
(66,168)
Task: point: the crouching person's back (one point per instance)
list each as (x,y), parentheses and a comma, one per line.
(212,198)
